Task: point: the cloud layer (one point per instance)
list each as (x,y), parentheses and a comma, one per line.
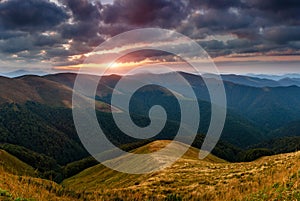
(60,32)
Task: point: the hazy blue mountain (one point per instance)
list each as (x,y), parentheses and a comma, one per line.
(275,77)
(269,107)
(253,81)
(289,81)
(248,80)
(19,73)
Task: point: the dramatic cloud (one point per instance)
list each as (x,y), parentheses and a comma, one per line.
(163,13)
(282,34)
(30,15)
(85,22)
(60,32)
(83,10)
(216,4)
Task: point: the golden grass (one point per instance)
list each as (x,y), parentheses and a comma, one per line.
(269,178)
(18,182)
(15,166)
(30,188)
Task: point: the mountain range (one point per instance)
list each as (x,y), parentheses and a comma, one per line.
(36,118)
(19,73)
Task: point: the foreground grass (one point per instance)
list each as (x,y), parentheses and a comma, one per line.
(24,188)
(269,178)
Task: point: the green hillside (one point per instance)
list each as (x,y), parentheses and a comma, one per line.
(281,145)
(23,126)
(10,163)
(291,129)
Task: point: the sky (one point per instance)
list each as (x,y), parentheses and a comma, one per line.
(241,36)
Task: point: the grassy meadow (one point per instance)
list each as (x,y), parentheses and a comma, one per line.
(268,178)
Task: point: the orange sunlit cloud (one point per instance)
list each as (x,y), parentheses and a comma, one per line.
(99,61)
(115,67)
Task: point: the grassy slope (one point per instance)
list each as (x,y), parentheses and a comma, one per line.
(13,165)
(14,186)
(41,90)
(269,178)
(100,177)
(26,188)
(190,178)
(18,182)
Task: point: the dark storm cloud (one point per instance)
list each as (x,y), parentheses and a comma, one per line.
(15,45)
(30,42)
(30,15)
(48,31)
(82,31)
(221,19)
(7,34)
(85,27)
(282,34)
(233,46)
(75,27)
(280,11)
(41,40)
(274,5)
(165,13)
(217,4)
(115,29)
(212,44)
(83,10)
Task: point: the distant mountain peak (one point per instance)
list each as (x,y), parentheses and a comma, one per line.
(19,73)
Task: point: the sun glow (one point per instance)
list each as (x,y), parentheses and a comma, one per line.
(115,65)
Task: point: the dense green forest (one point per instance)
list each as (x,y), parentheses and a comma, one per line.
(45,138)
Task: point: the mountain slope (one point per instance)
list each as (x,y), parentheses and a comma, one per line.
(106,84)
(38,89)
(189,178)
(281,145)
(248,80)
(21,126)
(291,129)
(100,176)
(39,110)
(25,188)
(255,101)
(13,165)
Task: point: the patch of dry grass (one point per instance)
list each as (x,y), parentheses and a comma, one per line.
(29,188)
(269,178)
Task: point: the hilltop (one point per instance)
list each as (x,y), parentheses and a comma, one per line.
(99,176)
(191,179)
